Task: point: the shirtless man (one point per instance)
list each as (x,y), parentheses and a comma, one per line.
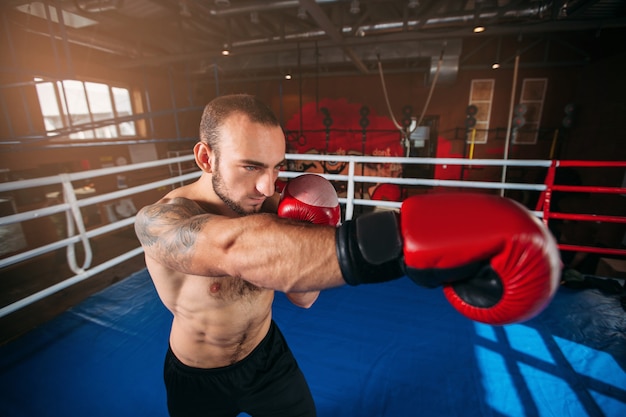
(226,355)
(216,253)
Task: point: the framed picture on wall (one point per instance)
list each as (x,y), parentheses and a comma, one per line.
(481,96)
(531,100)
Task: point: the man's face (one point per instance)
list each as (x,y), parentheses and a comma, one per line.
(249,160)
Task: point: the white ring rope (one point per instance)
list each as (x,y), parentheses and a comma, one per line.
(72,205)
(74,218)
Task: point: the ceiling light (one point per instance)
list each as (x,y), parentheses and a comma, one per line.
(563,11)
(287,76)
(496,62)
(226,50)
(479,29)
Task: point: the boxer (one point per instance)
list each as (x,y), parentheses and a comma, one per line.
(216,251)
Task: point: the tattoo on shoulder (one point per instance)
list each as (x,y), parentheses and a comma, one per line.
(172,224)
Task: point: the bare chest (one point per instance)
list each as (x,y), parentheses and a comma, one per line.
(229,289)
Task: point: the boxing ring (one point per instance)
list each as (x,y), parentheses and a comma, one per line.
(391,349)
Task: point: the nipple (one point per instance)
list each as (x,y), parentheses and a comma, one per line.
(214,288)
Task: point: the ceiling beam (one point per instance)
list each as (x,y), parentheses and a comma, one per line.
(269,47)
(327,26)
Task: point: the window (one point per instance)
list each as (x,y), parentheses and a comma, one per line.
(481,96)
(532,98)
(84,110)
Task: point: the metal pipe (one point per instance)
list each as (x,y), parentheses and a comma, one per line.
(173,100)
(401,26)
(510,123)
(66,44)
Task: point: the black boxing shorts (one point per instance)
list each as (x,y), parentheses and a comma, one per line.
(268,382)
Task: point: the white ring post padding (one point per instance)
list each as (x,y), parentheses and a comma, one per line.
(350,191)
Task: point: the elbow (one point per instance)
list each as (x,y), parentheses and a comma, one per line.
(303,300)
(307,305)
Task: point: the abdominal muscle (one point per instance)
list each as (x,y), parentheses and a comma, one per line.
(217,321)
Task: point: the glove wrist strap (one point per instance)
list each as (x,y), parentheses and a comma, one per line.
(369,248)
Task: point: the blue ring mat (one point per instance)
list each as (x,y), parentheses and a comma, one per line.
(391,349)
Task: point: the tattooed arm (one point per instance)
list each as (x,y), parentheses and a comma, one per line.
(167,231)
(262,249)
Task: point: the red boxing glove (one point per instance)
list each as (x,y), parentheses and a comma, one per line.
(310,198)
(387,192)
(517,258)
(498,263)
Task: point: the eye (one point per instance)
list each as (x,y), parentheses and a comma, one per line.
(251,168)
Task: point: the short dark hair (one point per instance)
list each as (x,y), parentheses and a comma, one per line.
(221,107)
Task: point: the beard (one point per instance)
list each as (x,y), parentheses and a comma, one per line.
(220,190)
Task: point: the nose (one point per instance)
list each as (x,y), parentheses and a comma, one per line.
(266,184)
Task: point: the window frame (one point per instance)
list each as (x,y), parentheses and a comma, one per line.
(481,96)
(532,97)
(95,127)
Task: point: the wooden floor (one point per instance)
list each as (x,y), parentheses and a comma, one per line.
(23,279)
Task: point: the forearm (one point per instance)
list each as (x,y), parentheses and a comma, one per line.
(280,254)
(262,249)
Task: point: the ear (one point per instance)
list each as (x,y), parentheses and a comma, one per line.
(204,156)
